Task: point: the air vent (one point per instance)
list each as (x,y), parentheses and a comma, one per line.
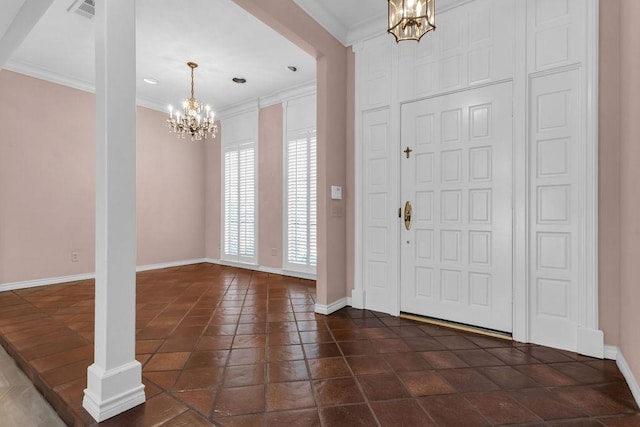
(86,8)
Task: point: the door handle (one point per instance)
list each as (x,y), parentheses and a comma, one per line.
(408,210)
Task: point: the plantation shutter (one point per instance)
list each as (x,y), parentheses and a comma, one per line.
(239,187)
(301,205)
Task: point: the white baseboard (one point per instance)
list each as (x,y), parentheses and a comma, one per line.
(169,264)
(12,286)
(610,352)
(262,268)
(331,308)
(628,375)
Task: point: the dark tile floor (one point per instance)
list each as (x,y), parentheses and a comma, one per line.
(231,347)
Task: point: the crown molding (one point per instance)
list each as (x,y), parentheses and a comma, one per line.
(368,29)
(316,10)
(239,108)
(71,82)
(50,76)
(306,89)
(232,110)
(151,105)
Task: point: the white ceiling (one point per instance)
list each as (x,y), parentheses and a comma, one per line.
(10,9)
(220,36)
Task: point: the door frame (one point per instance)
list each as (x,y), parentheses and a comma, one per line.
(590,339)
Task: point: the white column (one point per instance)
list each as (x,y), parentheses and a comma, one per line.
(114,381)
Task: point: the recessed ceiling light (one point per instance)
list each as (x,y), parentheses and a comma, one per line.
(150,81)
(239,80)
(292,68)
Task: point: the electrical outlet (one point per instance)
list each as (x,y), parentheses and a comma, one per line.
(274,252)
(75,256)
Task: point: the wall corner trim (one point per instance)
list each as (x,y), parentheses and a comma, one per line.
(357,298)
(333,307)
(628,375)
(610,352)
(591,342)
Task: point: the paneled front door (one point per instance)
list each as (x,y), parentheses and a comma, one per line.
(456,186)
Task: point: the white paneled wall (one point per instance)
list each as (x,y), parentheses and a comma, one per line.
(547,50)
(472,45)
(562,281)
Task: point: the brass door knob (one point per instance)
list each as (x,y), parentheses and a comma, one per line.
(407,215)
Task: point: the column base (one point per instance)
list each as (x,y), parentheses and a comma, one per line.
(330,308)
(112,392)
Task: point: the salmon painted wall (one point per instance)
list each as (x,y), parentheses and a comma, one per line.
(293,23)
(351,162)
(213,195)
(609,172)
(46,179)
(629,180)
(170,185)
(270,203)
(47,184)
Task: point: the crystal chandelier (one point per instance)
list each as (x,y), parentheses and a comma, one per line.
(411,19)
(191,121)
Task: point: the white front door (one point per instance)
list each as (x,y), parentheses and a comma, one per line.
(456,173)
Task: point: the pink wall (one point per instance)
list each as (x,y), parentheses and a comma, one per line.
(270,201)
(609,172)
(170,185)
(213,195)
(46,179)
(287,18)
(351,185)
(619,175)
(47,184)
(629,180)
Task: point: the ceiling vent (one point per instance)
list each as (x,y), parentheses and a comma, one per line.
(86,8)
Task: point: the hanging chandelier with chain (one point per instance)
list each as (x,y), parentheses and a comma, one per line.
(411,19)
(194,119)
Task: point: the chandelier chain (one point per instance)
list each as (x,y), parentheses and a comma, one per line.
(192,85)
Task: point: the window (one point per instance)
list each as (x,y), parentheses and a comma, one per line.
(239,223)
(301,207)
(239,208)
(300,169)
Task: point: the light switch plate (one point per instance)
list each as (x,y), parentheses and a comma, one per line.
(336,192)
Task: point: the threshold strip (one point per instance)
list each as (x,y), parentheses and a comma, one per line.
(458,326)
